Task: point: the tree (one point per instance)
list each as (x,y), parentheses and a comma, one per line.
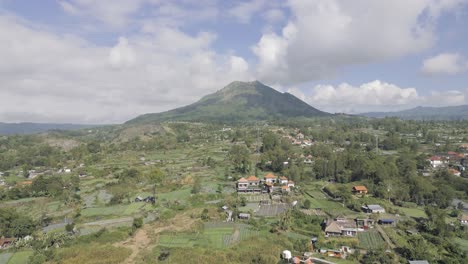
(270,141)
(435,224)
(240,158)
(306,204)
(13,224)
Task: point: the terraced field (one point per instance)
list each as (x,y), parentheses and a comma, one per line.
(215,235)
(370,239)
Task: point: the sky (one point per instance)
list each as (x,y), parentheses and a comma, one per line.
(107,61)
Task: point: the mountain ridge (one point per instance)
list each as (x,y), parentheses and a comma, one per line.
(238,101)
(459,112)
(32,128)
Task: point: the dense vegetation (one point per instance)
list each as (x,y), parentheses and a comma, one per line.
(63,188)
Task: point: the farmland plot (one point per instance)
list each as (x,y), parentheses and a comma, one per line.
(370,239)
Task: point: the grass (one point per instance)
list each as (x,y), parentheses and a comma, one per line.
(413,212)
(93,254)
(102,211)
(370,239)
(20,257)
(397,238)
(182,194)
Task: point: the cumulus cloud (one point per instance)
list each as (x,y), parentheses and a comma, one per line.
(374,96)
(445,63)
(66,78)
(122,55)
(348,98)
(324,36)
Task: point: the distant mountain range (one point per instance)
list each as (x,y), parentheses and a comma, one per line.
(239,101)
(426,113)
(31,128)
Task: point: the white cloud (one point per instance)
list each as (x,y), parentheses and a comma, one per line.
(122,55)
(64,78)
(347,98)
(244,11)
(445,63)
(115,13)
(374,96)
(324,36)
(274,15)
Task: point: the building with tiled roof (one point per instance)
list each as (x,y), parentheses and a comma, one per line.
(361,189)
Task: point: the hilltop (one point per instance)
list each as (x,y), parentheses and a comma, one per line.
(238,101)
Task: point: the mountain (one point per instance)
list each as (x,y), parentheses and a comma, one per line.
(426,113)
(239,101)
(31,128)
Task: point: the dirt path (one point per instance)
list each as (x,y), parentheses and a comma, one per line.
(146,237)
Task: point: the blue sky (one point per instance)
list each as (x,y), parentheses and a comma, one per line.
(107,61)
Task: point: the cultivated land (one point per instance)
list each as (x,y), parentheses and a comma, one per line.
(170,192)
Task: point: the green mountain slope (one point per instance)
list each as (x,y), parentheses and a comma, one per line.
(239,101)
(426,113)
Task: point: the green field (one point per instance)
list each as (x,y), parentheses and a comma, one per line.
(215,235)
(370,239)
(412,212)
(20,257)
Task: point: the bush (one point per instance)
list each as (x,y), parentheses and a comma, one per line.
(137,223)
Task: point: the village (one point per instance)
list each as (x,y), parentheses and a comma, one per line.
(302,197)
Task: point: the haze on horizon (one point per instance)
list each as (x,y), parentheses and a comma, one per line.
(107,61)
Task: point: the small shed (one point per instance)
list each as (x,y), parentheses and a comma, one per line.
(244,216)
(388,222)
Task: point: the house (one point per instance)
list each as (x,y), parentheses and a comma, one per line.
(360,189)
(270,178)
(364,223)
(464,219)
(1,174)
(6,242)
(242,184)
(138,199)
(253,181)
(454,172)
(341,227)
(244,216)
(300,136)
(387,222)
(291,184)
(285,188)
(283,180)
(373,208)
(436,161)
(251,184)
